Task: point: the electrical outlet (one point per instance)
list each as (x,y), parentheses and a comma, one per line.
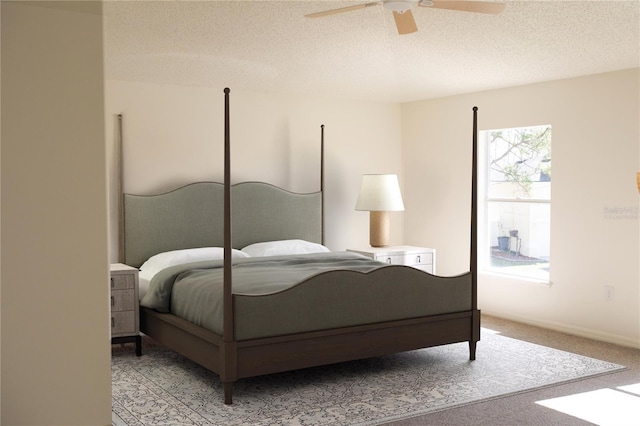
(609,292)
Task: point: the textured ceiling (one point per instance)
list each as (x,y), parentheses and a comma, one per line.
(271,46)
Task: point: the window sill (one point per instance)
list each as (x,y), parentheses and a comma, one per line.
(525,280)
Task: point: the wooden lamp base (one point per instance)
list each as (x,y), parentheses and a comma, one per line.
(378,229)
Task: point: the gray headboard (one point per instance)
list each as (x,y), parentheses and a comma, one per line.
(192,216)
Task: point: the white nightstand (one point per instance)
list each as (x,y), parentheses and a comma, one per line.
(125,318)
(418,257)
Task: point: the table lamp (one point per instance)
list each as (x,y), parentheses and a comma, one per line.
(379,195)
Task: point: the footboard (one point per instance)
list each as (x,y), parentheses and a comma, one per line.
(340,316)
(342,298)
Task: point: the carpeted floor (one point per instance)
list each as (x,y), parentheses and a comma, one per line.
(521,409)
(162,387)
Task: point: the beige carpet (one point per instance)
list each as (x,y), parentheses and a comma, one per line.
(521,409)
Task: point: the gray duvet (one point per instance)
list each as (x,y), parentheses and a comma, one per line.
(281,295)
(194,291)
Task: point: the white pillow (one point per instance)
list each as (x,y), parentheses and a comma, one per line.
(176,257)
(284,247)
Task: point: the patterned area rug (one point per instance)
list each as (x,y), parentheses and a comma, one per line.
(162,387)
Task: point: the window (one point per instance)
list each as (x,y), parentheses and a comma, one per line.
(517,195)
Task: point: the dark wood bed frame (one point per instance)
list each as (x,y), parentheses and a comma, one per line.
(233,360)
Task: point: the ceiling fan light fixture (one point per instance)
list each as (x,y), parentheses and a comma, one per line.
(403,16)
(399,6)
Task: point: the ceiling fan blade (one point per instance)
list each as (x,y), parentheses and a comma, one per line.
(490,7)
(405,22)
(340,10)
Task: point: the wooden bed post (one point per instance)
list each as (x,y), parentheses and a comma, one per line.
(228,349)
(322,182)
(120,158)
(474,212)
(228,305)
(475,324)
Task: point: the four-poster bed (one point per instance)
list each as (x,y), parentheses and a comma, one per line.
(306,309)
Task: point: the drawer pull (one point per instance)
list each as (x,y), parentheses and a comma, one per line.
(418,259)
(113,302)
(113,322)
(113,284)
(388,260)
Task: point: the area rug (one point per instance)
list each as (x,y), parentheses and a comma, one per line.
(163,387)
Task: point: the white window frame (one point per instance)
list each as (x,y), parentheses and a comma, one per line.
(485,227)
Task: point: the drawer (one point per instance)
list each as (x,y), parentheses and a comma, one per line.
(122,281)
(123,300)
(123,323)
(409,259)
(425,268)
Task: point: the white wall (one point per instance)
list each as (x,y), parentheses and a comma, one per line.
(595,152)
(173,135)
(54,257)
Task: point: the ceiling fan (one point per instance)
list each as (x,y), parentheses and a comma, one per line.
(404,17)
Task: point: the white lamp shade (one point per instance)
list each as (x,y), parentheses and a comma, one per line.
(380,193)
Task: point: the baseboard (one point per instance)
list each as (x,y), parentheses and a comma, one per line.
(568,329)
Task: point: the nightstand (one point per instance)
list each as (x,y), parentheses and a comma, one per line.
(418,257)
(125,318)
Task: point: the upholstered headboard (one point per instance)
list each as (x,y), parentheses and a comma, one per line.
(192,216)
